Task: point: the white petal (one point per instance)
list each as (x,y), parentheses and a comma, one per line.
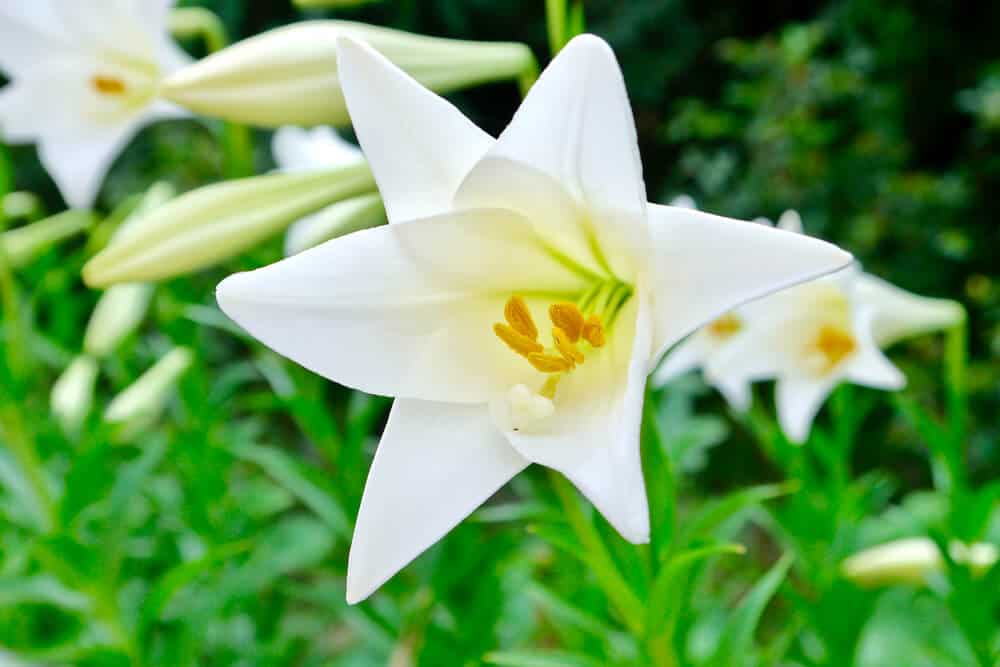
(576,124)
(344,217)
(791,221)
(420,146)
(798,400)
(593,436)
(735,390)
(436,463)
(29,32)
(79,163)
(900,314)
(557,217)
(704,265)
(401,310)
(686,356)
(297,148)
(869,366)
(684,201)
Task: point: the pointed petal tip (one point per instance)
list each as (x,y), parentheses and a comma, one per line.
(590,41)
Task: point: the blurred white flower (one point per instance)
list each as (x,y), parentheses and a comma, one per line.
(84,78)
(73,393)
(912,559)
(514,304)
(810,338)
(298,149)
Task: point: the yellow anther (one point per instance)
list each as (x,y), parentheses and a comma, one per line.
(519,317)
(549,363)
(566,347)
(593,331)
(725,327)
(108,85)
(835,344)
(516,341)
(567,317)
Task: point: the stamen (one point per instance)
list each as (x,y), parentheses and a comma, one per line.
(566,347)
(549,363)
(725,327)
(567,316)
(516,341)
(519,317)
(108,85)
(835,345)
(593,331)
(548,389)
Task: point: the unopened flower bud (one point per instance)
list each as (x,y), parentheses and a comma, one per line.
(22,244)
(73,393)
(911,560)
(213,223)
(142,402)
(289,76)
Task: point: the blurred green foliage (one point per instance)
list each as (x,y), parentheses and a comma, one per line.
(219,536)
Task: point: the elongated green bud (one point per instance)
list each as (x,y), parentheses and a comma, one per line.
(211,224)
(910,560)
(342,218)
(21,245)
(142,402)
(73,393)
(288,76)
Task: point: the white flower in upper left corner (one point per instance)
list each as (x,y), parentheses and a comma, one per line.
(85,77)
(515,302)
(298,149)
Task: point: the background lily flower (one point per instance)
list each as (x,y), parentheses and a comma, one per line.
(85,77)
(299,149)
(514,304)
(810,339)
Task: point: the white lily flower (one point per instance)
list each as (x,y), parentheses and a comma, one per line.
(85,77)
(810,339)
(514,304)
(298,149)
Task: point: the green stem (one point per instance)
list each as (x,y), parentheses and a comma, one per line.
(610,579)
(237,142)
(555,21)
(6,176)
(956,361)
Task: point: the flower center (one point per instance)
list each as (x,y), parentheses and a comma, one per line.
(830,346)
(578,329)
(108,85)
(725,327)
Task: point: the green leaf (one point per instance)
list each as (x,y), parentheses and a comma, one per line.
(41,589)
(303,482)
(737,639)
(541,659)
(714,513)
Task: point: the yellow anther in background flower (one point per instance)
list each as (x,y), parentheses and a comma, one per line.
(519,317)
(593,331)
(516,341)
(108,85)
(566,347)
(567,316)
(835,344)
(725,327)
(549,363)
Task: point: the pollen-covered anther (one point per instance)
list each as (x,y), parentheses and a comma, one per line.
(549,363)
(108,85)
(593,331)
(725,327)
(831,346)
(567,317)
(517,341)
(567,348)
(519,317)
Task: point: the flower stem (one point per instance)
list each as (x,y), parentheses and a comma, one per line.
(6,176)
(598,557)
(555,21)
(237,143)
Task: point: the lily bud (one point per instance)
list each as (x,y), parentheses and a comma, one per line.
(211,224)
(24,243)
(289,76)
(911,560)
(118,313)
(142,402)
(342,218)
(73,393)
